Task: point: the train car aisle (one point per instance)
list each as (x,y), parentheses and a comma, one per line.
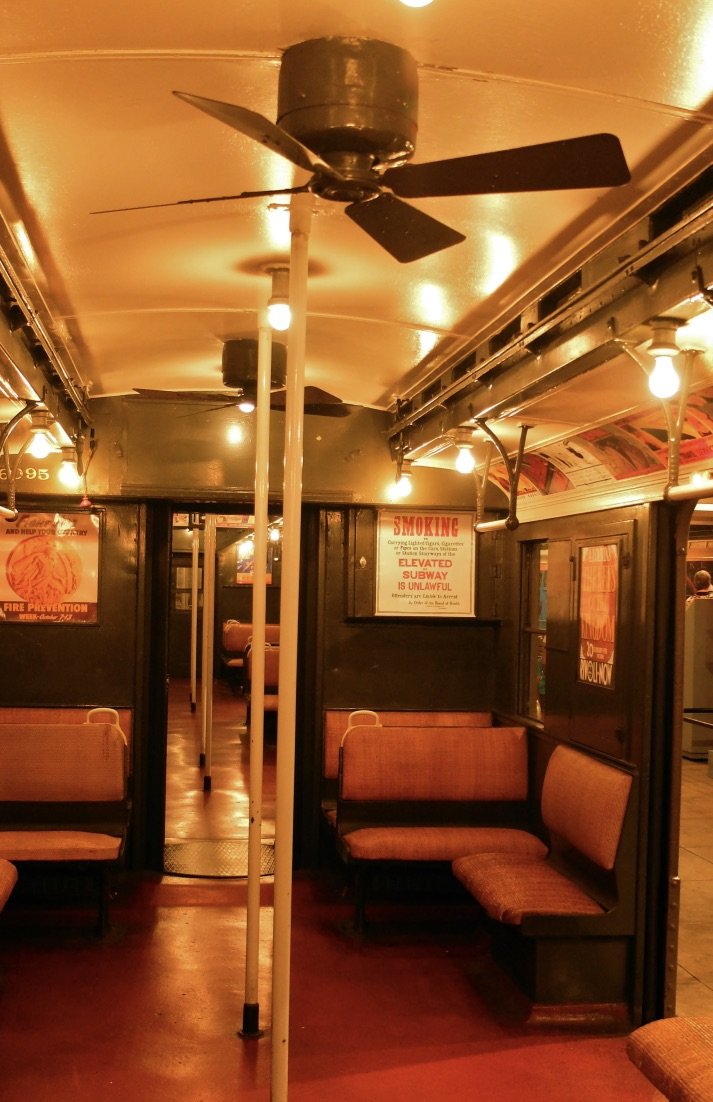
(414,1011)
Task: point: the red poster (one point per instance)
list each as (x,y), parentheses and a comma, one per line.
(49,568)
(598,594)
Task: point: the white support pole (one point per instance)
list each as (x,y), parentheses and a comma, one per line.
(208,629)
(300,214)
(195,559)
(251,1004)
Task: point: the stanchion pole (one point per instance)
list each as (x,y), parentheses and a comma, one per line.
(195,548)
(208,630)
(300,214)
(251,1005)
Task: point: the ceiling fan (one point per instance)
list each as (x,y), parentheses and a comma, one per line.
(347,114)
(239,366)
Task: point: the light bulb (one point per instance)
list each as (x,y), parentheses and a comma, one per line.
(246,405)
(416,3)
(465,463)
(68,474)
(279,315)
(664,380)
(40,446)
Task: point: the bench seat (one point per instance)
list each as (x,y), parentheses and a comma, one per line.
(511,885)
(8,879)
(676,1055)
(64,802)
(424,796)
(564,923)
(58,845)
(438,843)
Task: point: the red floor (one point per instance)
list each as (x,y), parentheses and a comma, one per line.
(414,1010)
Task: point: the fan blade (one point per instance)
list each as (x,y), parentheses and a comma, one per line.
(209,199)
(405,232)
(316,401)
(596,160)
(226,398)
(262,130)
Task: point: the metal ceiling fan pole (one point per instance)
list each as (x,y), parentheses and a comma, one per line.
(300,216)
(251,1005)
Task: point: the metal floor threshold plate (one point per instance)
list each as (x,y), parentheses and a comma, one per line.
(220,859)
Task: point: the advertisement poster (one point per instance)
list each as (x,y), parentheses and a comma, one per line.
(245,563)
(425,563)
(49,568)
(598,594)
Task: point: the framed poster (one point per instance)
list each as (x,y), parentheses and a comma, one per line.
(245,563)
(425,563)
(49,568)
(598,604)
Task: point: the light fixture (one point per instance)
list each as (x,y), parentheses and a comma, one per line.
(68,474)
(278,306)
(246,404)
(664,380)
(402,485)
(42,441)
(465,461)
(416,3)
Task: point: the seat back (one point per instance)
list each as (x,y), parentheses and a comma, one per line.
(584,803)
(62,763)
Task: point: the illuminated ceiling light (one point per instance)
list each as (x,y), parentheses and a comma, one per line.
(664,380)
(278,306)
(402,486)
(68,474)
(41,442)
(416,3)
(246,404)
(465,461)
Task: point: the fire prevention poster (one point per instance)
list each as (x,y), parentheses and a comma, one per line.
(425,563)
(49,568)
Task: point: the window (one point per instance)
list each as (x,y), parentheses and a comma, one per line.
(534,629)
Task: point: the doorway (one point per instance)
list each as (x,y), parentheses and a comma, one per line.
(694,987)
(207,809)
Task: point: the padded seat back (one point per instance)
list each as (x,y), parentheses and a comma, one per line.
(336,722)
(235,637)
(584,802)
(62,763)
(435,764)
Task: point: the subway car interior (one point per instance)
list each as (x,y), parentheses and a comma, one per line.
(356,708)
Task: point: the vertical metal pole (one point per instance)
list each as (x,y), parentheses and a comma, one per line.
(195,547)
(208,629)
(251,1005)
(300,214)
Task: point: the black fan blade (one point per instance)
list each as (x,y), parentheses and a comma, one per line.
(405,232)
(316,402)
(596,160)
(226,398)
(262,130)
(209,199)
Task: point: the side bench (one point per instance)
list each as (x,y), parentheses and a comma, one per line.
(64,800)
(564,922)
(422,796)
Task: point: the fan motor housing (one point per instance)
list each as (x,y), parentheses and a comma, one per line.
(240,365)
(350,94)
